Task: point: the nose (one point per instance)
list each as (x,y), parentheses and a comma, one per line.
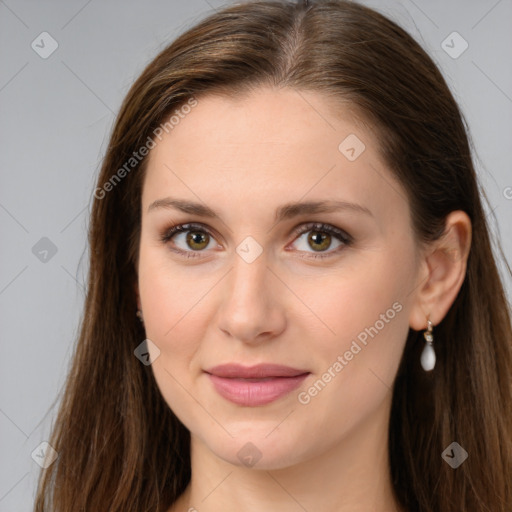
(252,308)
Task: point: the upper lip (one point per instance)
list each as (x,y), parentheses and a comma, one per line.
(261,371)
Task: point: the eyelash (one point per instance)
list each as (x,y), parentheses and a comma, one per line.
(340,235)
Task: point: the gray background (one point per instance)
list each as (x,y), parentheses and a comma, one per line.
(56,115)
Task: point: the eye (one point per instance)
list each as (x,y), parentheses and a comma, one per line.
(193,237)
(320,239)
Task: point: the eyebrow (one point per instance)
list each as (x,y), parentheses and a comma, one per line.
(284,212)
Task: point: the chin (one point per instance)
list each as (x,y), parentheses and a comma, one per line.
(256,449)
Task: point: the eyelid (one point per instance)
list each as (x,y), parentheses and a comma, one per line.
(184,227)
(323,227)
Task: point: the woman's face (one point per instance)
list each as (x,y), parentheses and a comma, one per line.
(255,283)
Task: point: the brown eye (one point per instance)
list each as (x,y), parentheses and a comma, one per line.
(319,241)
(320,238)
(197,240)
(187,239)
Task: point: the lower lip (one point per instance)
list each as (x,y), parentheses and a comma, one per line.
(255,392)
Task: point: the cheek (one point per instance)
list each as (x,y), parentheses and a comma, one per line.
(356,366)
(173,318)
(359,295)
(169,296)
(365,310)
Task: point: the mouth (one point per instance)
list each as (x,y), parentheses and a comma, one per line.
(256,385)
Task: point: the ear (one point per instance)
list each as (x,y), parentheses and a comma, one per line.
(441,272)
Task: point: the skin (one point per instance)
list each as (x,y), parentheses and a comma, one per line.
(244,157)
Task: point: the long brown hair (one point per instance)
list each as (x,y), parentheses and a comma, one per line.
(120,446)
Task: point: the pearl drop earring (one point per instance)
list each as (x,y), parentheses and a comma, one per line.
(428,356)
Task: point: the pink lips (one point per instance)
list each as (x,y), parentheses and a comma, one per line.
(255,385)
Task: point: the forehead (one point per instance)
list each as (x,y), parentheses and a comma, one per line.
(258,146)
(267,116)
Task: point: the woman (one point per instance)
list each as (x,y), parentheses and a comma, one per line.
(293,303)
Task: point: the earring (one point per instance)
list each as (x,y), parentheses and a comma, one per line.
(428,356)
(139,314)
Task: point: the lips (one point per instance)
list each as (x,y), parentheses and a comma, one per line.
(255,385)
(260,371)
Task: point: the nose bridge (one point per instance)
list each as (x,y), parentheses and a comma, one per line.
(249,276)
(249,303)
